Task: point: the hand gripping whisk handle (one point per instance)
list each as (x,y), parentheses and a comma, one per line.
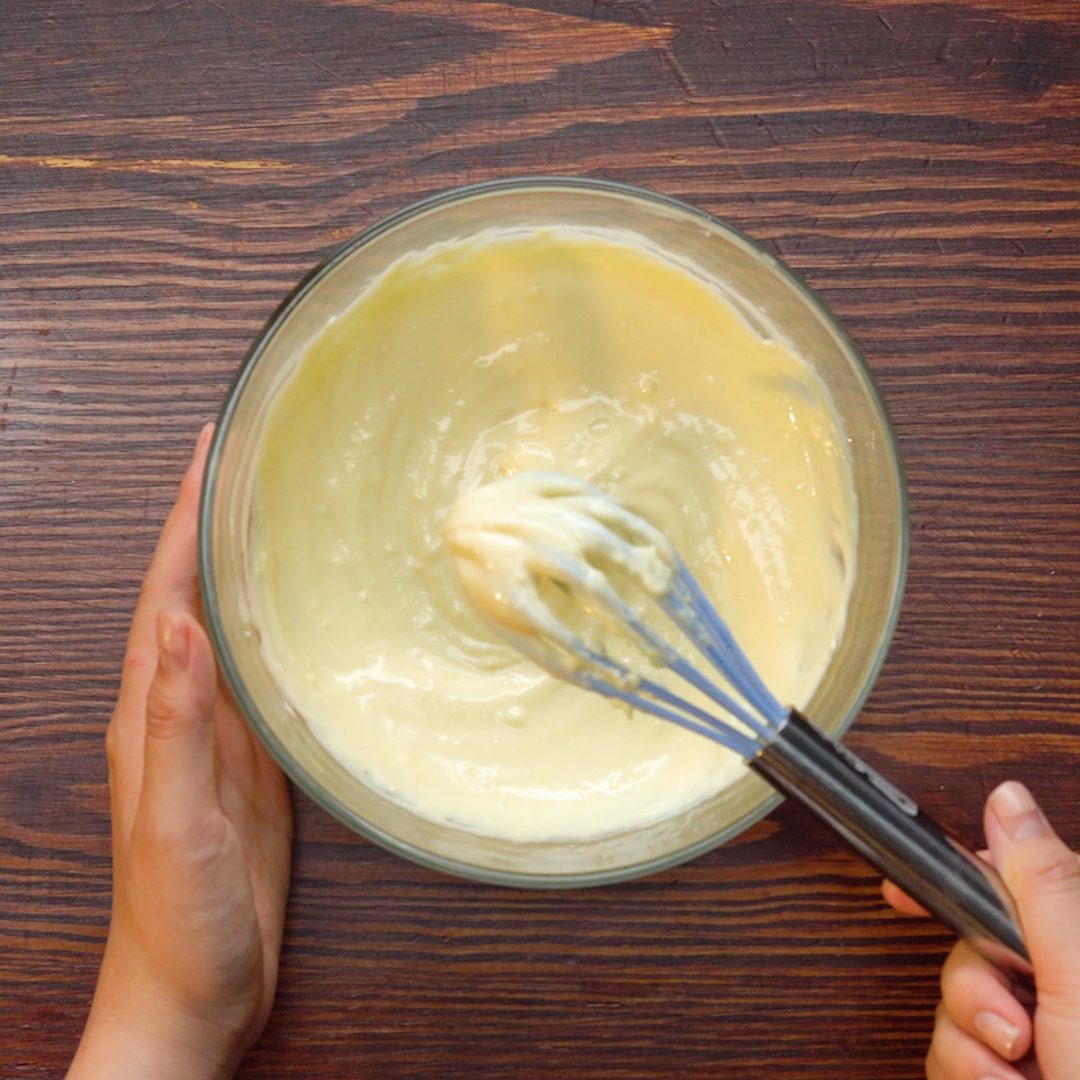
(889,830)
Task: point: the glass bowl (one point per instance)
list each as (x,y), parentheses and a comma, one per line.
(769,294)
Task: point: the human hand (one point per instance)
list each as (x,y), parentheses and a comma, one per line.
(201,835)
(981,1025)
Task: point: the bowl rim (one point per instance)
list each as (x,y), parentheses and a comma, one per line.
(209,593)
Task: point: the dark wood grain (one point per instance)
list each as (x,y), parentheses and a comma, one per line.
(168,170)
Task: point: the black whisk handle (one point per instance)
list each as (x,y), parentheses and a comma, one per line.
(888,829)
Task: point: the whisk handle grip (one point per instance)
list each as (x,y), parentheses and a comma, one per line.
(889,830)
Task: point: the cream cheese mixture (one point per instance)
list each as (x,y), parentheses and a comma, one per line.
(553,564)
(581,352)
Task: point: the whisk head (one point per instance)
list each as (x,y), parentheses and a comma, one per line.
(555,566)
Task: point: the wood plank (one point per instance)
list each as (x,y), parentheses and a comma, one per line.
(169,170)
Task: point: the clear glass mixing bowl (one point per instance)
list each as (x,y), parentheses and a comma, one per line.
(769,293)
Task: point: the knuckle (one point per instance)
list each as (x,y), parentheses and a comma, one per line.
(1059,871)
(165,718)
(199,842)
(965,977)
(137,662)
(953,970)
(1059,999)
(160,831)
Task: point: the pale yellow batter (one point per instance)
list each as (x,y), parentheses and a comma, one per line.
(555,349)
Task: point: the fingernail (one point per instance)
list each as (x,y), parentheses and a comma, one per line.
(204,435)
(1017,812)
(173,646)
(997,1032)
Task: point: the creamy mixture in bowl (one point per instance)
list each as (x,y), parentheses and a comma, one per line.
(570,326)
(586,352)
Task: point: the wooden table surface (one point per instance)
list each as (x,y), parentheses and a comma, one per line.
(169,169)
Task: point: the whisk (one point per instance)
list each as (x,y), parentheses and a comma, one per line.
(540,556)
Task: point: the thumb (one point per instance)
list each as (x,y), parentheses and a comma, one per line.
(1043,876)
(179,763)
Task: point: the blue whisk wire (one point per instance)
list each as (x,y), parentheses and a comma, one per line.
(710,727)
(691,610)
